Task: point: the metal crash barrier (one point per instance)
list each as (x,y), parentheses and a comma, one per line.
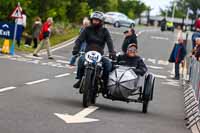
(191,85)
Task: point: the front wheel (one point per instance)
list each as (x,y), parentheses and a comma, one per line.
(87,89)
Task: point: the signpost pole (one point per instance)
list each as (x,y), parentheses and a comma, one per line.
(12,49)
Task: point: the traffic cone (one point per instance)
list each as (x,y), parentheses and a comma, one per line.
(6,46)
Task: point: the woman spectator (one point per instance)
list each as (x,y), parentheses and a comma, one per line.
(36,31)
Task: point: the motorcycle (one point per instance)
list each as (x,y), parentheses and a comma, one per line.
(92,84)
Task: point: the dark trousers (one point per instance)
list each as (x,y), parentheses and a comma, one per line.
(177,75)
(18,41)
(35,41)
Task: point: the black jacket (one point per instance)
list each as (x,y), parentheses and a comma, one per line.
(136,61)
(95,39)
(128,40)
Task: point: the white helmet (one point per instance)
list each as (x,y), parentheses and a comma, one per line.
(97,15)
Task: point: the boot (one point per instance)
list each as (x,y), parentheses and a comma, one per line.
(77,84)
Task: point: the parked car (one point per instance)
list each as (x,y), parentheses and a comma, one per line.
(118,19)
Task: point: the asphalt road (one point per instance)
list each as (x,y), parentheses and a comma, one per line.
(32,90)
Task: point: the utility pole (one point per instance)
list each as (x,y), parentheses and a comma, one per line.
(173,12)
(148,15)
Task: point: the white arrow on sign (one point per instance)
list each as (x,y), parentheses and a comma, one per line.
(5,26)
(79,117)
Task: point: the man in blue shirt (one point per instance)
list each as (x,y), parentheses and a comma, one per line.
(177,56)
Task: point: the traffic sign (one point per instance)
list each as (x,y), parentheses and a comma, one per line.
(16,13)
(7,30)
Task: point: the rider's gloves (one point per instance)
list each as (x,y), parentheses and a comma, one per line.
(113,56)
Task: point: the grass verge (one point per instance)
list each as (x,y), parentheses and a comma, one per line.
(54,40)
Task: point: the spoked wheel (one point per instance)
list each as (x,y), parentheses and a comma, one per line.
(148,92)
(87,89)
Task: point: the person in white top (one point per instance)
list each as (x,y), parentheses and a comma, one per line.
(21,22)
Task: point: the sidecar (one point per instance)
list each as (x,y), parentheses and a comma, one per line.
(125,85)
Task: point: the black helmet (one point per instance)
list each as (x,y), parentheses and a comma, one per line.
(97,15)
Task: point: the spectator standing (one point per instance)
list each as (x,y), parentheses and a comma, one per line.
(130,37)
(36,31)
(44,37)
(21,22)
(194,36)
(197,22)
(177,56)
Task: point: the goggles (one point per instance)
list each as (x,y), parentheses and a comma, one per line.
(132,49)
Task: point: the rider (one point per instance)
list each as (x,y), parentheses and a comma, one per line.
(95,36)
(131,59)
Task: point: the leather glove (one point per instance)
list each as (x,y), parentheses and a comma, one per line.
(113,56)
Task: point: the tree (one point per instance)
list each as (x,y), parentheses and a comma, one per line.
(132,8)
(181,8)
(69,10)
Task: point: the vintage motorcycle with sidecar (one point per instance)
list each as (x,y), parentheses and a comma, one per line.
(123,85)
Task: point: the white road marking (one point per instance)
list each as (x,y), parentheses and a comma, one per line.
(159,38)
(79,117)
(172,72)
(44,63)
(36,82)
(7,89)
(57,48)
(162,62)
(155,67)
(62,75)
(62,61)
(172,80)
(23,59)
(17,56)
(34,61)
(5,56)
(58,56)
(171,83)
(151,60)
(13,58)
(160,76)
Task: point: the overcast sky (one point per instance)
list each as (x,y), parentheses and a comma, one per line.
(156,5)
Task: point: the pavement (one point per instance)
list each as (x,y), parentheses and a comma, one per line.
(36,94)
